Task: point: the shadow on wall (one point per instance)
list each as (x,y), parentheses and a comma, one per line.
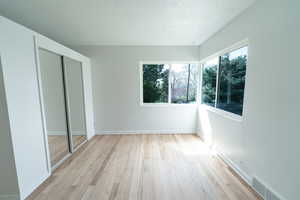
(205,127)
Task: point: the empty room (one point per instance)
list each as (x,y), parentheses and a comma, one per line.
(149,100)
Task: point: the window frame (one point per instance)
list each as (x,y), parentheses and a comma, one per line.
(214,109)
(169,103)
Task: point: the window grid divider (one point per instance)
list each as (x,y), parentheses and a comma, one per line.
(169,83)
(217,82)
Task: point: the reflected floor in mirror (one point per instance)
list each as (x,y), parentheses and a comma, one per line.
(78,139)
(143,167)
(58,147)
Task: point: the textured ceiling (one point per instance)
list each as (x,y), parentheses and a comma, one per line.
(124,22)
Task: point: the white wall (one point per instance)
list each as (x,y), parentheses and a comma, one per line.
(116,89)
(19,64)
(20,80)
(8,177)
(266,143)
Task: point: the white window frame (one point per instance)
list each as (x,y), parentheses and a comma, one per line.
(142,63)
(214,109)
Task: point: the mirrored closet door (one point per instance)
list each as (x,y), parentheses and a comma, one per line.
(75,100)
(54,105)
(63,103)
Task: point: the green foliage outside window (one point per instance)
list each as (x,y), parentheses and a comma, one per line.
(155,83)
(232,83)
(183,83)
(225,77)
(209,80)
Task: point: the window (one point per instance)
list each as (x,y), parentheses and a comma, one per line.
(209,82)
(169,83)
(184,83)
(156,83)
(223,81)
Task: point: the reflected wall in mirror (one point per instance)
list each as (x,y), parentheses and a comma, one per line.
(75,101)
(54,105)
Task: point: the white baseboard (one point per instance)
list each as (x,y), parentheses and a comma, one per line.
(241,173)
(118,132)
(10,197)
(199,133)
(90,135)
(56,132)
(236,168)
(229,162)
(79,132)
(65,133)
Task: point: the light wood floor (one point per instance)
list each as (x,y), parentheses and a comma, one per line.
(143,167)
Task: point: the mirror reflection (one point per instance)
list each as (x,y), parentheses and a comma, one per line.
(54,105)
(75,100)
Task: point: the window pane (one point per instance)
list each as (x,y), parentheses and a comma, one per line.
(184,83)
(232,74)
(155,83)
(209,82)
(193,80)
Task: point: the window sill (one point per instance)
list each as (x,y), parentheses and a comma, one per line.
(167,105)
(223,113)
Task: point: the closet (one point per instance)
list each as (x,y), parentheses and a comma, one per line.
(64,107)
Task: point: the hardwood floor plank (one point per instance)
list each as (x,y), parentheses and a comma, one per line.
(104,164)
(114,191)
(143,167)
